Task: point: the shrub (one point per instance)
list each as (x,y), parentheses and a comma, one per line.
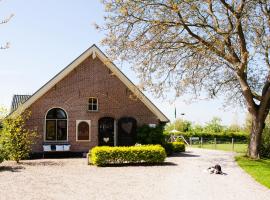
(104,155)
(265,146)
(2,154)
(15,138)
(149,135)
(174,147)
(178,147)
(3,113)
(168,146)
(179,140)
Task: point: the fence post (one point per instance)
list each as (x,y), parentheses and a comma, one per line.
(201,142)
(215,140)
(232,144)
(190,141)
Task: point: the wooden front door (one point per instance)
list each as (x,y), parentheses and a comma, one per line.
(106,131)
(127,130)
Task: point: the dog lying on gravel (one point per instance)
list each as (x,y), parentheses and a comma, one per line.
(215,170)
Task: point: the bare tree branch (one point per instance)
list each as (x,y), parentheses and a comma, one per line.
(197,47)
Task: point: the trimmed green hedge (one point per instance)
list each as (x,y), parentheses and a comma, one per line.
(105,155)
(178,147)
(174,147)
(168,148)
(222,136)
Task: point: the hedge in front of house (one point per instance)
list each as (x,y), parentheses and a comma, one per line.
(105,155)
(168,146)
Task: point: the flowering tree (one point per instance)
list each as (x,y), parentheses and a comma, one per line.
(193,46)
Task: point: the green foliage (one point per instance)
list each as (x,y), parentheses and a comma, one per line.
(168,146)
(212,129)
(3,114)
(243,136)
(180,125)
(258,169)
(174,147)
(179,140)
(178,147)
(2,154)
(234,128)
(148,135)
(238,147)
(15,138)
(265,145)
(214,126)
(104,155)
(197,129)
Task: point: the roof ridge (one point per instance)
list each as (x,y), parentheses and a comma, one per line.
(95,52)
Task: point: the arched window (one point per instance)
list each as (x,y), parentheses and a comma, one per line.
(56,125)
(83,130)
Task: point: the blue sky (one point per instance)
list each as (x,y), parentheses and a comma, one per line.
(45,36)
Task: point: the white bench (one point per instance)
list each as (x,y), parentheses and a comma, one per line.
(52,148)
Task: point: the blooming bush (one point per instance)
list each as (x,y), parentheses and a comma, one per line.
(15,139)
(104,155)
(178,147)
(174,147)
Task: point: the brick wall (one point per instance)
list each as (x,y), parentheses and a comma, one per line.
(90,79)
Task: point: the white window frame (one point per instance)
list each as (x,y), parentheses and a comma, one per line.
(89,104)
(77,124)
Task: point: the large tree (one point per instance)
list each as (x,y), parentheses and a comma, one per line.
(199,46)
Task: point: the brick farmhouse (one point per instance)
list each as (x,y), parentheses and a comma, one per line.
(89,103)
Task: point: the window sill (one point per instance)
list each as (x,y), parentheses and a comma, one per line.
(93,110)
(55,141)
(83,140)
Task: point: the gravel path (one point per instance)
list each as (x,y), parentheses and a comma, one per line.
(183,177)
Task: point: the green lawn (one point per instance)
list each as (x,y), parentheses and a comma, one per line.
(239,148)
(258,169)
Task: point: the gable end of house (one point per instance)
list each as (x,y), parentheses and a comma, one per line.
(22,102)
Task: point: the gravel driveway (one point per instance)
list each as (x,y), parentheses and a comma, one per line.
(183,177)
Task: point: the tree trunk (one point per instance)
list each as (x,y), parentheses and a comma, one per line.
(255,137)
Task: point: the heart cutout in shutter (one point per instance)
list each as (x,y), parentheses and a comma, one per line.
(106,139)
(127,127)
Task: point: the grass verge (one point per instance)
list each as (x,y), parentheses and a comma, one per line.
(258,169)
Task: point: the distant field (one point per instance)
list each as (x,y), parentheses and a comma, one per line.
(239,148)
